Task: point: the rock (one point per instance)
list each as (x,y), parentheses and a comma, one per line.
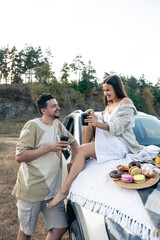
(8,111)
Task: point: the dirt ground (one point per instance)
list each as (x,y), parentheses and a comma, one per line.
(8,211)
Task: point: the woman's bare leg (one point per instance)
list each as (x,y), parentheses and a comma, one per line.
(84,151)
(88,133)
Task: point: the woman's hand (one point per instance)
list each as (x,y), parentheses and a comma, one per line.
(89,111)
(93,119)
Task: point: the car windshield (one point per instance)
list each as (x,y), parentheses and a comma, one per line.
(147,130)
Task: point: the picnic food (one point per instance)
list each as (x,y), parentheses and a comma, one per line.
(134,170)
(123,168)
(139,178)
(126,178)
(136,173)
(147,170)
(134,163)
(115,174)
(158,159)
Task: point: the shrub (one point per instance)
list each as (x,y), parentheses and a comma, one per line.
(54,88)
(77,99)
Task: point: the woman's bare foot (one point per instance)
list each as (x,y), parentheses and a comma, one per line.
(57,199)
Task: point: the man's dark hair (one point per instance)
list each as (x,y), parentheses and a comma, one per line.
(41,102)
(117,84)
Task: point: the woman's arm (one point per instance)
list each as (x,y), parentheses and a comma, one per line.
(124,119)
(93,120)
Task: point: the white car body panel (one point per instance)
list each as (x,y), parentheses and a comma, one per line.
(93,225)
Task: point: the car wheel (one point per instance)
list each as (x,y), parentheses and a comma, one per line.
(74,232)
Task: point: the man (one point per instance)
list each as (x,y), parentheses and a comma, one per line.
(39,177)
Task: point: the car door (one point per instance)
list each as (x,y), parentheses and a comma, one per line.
(66,154)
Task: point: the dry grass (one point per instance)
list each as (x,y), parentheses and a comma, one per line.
(12,127)
(8,211)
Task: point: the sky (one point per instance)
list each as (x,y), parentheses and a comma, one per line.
(121,36)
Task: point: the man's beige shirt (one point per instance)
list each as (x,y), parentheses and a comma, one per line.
(40,179)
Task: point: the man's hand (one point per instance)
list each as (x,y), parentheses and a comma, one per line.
(30,155)
(58,146)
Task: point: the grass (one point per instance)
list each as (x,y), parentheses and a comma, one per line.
(12,127)
(8,168)
(1,145)
(8,172)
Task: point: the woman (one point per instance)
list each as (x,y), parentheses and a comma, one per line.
(114,136)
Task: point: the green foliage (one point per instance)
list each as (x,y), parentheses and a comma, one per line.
(87,80)
(16,69)
(43,73)
(13,63)
(31,57)
(59,92)
(156,94)
(17,79)
(54,87)
(65,73)
(4,67)
(131,94)
(77,75)
(143,94)
(36,89)
(77,98)
(106,75)
(88,93)
(85,85)
(74,85)
(77,65)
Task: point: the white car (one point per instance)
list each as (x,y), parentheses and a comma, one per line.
(87,225)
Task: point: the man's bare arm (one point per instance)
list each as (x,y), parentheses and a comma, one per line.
(30,155)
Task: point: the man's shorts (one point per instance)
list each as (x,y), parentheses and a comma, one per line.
(28,213)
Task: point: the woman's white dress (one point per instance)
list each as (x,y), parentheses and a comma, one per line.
(109,147)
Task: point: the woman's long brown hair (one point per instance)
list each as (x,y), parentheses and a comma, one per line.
(117,84)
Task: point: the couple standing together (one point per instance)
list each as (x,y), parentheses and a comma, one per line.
(38,186)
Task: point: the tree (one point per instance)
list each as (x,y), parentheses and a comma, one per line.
(14,64)
(48,56)
(4,63)
(65,73)
(156,94)
(133,83)
(106,74)
(142,82)
(32,58)
(16,69)
(43,73)
(77,66)
(87,81)
(124,79)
